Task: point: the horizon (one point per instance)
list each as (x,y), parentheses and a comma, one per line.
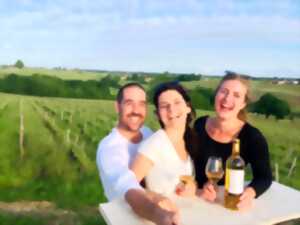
(260,38)
(151,73)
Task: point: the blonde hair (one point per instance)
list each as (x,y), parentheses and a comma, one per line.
(245,80)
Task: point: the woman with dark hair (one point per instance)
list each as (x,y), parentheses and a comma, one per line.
(165,156)
(215,136)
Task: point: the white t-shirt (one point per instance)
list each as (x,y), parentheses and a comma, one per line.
(167,166)
(114,155)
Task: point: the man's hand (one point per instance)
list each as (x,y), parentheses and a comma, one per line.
(153,206)
(165,211)
(162,202)
(166,217)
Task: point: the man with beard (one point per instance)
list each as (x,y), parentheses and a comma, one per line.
(116,152)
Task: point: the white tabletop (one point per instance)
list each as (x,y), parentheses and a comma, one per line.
(278,204)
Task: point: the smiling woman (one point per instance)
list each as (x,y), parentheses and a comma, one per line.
(165,156)
(215,136)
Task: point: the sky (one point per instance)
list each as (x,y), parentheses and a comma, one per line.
(259,37)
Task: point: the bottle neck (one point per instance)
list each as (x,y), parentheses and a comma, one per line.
(236,147)
(235,152)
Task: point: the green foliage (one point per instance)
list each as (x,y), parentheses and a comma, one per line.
(202,98)
(158,79)
(136,77)
(41,85)
(10,219)
(269,105)
(161,78)
(19,64)
(188,77)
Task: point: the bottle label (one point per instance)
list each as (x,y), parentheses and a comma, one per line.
(236,181)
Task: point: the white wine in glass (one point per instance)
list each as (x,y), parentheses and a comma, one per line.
(214,169)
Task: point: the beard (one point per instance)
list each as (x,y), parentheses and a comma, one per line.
(134,126)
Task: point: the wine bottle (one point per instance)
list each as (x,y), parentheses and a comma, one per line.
(234,177)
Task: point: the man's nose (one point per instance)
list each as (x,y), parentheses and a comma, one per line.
(136,108)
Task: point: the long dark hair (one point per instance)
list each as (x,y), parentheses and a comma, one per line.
(189,134)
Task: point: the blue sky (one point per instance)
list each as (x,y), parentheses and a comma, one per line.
(261,38)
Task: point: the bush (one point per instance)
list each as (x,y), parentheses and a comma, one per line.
(189,77)
(269,105)
(202,98)
(19,64)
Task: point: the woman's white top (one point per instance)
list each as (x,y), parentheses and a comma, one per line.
(167,166)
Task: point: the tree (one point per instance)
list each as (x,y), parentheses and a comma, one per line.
(202,98)
(268,105)
(19,64)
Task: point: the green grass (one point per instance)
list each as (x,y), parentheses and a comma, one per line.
(284,145)
(89,218)
(9,219)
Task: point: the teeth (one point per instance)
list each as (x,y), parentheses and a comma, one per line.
(134,118)
(226,106)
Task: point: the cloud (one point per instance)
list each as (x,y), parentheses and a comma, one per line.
(156,18)
(151,33)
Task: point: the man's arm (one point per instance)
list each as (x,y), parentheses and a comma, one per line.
(153,206)
(115,175)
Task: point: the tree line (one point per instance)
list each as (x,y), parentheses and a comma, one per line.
(41,85)
(202,98)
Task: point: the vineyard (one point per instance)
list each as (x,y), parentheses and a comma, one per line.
(48,149)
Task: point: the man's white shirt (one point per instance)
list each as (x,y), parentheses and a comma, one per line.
(114,155)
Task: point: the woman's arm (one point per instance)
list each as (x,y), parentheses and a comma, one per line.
(259,160)
(141,166)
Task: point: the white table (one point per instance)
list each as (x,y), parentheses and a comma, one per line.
(278,204)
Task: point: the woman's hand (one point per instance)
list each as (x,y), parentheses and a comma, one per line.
(209,192)
(246,199)
(187,187)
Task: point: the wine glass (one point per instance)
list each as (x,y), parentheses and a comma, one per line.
(214,170)
(190,176)
(185,179)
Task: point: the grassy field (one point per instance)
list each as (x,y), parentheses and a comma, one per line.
(53,157)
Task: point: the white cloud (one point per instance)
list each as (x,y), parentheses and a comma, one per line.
(151,33)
